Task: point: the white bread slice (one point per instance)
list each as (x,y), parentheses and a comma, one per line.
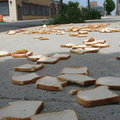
(75,70)
(78,51)
(22,55)
(111,82)
(62,115)
(61,56)
(48,60)
(25,79)
(34,57)
(74,34)
(11,32)
(29,67)
(20,52)
(68,45)
(21,110)
(90,43)
(83,32)
(92,39)
(4,53)
(50,83)
(97,96)
(82,35)
(101,45)
(77,78)
(78,46)
(91,49)
(118,57)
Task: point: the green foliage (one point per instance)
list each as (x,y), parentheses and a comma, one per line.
(70,14)
(110,6)
(90,15)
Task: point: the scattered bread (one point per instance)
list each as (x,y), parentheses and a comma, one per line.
(101,45)
(111,82)
(97,96)
(68,45)
(21,110)
(61,56)
(82,35)
(11,32)
(4,53)
(22,55)
(63,115)
(34,57)
(44,38)
(77,78)
(48,60)
(78,51)
(50,83)
(20,52)
(29,67)
(25,79)
(91,49)
(74,34)
(79,46)
(75,70)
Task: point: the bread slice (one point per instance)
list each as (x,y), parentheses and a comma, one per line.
(11,32)
(118,57)
(34,57)
(77,78)
(92,39)
(25,79)
(111,82)
(61,56)
(82,35)
(78,51)
(50,83)
(90,43)
(48,60)
(20,52)
(62,115)
(69,45)
(91,49)
(78,46)
(29,67)
(74,34)
(21,110)
(75,70)
(97,96)
(22,55)
(4,53)
(101,45)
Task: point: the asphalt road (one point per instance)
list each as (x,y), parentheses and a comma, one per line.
(99,64)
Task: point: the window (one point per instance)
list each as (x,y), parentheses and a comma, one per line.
(32,9)
(4,8)
(38,10)
(26,9)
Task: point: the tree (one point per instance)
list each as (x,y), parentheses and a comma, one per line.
(89,5)
(109,6)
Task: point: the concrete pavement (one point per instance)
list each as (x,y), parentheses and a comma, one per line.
(100,64)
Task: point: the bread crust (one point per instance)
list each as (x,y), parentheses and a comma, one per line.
(8,54)
(28,69)
(20,52)
(100,102)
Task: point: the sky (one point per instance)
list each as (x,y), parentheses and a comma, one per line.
(84,3)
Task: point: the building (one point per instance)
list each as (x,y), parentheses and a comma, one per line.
(118,7)
(93,4)
(14,10)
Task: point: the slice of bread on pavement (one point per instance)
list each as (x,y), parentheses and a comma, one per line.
(61,56)
(20,110)
(69,45)
(100,45)
(97,96)
(50,83)
(91,49)
(78,46)
(75,70)
(118,57)
(22,55)
(4,53)
(92,39)
(25,79)
(34,57)
(20,52)
(48,60)
(62,115)
(77,78)
(78,51)
(111,82)
(29,67)
(90,43)
(82,35)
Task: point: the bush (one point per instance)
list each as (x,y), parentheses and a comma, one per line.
(69,14)
(90,15)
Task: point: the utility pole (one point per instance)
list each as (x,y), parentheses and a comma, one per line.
(89,5)
(61,2)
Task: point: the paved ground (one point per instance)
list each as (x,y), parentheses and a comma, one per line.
(99,64)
